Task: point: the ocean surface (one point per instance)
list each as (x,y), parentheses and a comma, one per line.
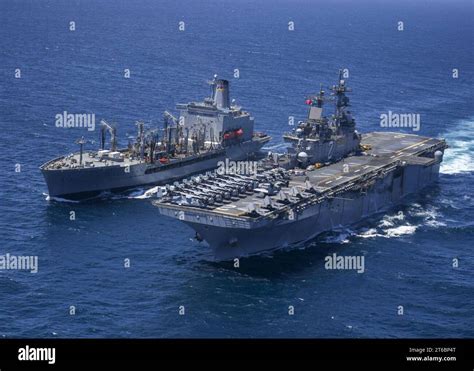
(408,251)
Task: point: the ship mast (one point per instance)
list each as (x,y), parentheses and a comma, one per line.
(213,83)
(113,134)
(170,122)
(342,101)
(81,143)
(140,138)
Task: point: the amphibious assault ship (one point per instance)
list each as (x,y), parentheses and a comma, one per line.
(331,176)
(205,133)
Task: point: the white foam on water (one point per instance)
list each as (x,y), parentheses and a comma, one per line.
(341,237)
(59,199)
(390,220)
(136,193)
(430,215)
(394,225)
(151,192)
(435,223)
(391,226)
(401,230)
(369,233)
(459,157)
(394,232)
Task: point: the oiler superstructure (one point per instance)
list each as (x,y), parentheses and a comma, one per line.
(203,134)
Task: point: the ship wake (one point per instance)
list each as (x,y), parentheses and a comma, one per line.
(459,157)
(401,223)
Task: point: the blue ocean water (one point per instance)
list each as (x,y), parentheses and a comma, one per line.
(408,251)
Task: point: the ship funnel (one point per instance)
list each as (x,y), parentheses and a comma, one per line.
(221,96)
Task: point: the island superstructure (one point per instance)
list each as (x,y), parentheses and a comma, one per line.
(203,134)
(331,176)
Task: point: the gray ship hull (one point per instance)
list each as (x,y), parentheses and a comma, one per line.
(347,192)
(350,208)
(81,183)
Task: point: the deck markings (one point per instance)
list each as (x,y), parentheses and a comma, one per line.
(416,144)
